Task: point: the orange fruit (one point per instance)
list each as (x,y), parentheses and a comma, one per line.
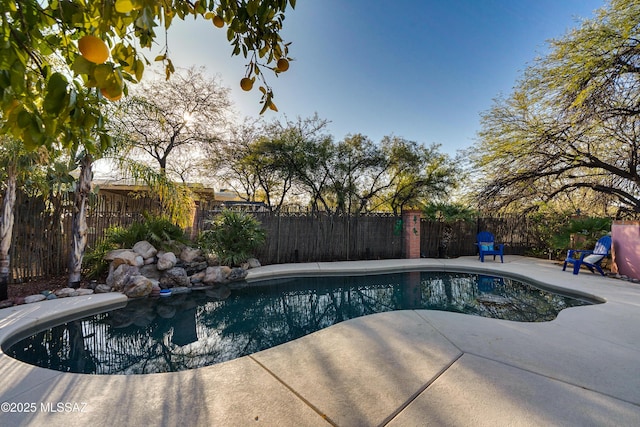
(218,21)
(93,49)
(246,84)
(104,93)
(283,64)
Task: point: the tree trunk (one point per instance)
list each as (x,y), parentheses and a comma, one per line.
(6,232)
(79,221)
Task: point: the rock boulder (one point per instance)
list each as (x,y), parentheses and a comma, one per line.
(166,261)
(34,298)
(119,277)
(66,292)
(145,249)
(138,287)
(176,276)
(190,254)
(127,257)
(215,275)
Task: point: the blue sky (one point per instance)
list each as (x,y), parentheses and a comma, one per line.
(419,69)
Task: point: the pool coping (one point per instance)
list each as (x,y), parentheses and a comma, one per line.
(391,266)
(581,368)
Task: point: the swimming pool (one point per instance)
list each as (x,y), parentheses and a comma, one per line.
(193,330)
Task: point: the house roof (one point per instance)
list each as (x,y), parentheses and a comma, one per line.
(128,186)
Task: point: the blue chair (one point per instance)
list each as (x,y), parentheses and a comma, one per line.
(487,246)
(590,259)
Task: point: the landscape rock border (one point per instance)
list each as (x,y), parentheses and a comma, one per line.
(143,271)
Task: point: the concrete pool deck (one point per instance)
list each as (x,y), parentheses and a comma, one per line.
(405,368)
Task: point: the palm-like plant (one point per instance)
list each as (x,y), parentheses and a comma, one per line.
(589,229)
(233,237)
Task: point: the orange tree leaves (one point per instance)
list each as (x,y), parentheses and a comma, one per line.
(50,93)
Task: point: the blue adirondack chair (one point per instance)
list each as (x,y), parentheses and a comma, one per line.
(590,259)
(487,246)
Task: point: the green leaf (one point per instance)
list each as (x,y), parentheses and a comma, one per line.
(139,69)
(5,82)
(24,119)
(102,74)
(106,141)
(252,7)
(54,100)
(82,66)
(17,78)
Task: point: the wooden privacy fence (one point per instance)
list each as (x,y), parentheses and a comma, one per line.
(451,239)
(42,230)
(322,237)
(39,247)
(41,235)
(306,237)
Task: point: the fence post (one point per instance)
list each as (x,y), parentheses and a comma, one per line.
(411,228)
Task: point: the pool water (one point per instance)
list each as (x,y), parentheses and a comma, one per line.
(197,329)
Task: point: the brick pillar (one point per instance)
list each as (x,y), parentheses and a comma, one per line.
(411,233)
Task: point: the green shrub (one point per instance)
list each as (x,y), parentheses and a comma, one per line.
(591,229)
(233,237)
(449,212)
(158,231)
(93,261)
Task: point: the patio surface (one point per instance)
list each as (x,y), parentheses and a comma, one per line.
(404,368)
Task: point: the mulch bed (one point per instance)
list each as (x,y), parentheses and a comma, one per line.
(17,290)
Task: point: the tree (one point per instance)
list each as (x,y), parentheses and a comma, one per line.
(280,158)
(175,198)
(79,226)
(273,180)
(449,212)
(352,176)
(356,172)
(228,160)
(245,165)
(303,150)
(415,174)
(43,71)
(569,131)
(171,121)
(60,59)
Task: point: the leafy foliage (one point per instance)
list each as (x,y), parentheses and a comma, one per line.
(591,229)
(417,173)
(50,92)
(299,159)
(233,237)
(176,199)
(93,260)
(449,212)
(569,131)
(161,232)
